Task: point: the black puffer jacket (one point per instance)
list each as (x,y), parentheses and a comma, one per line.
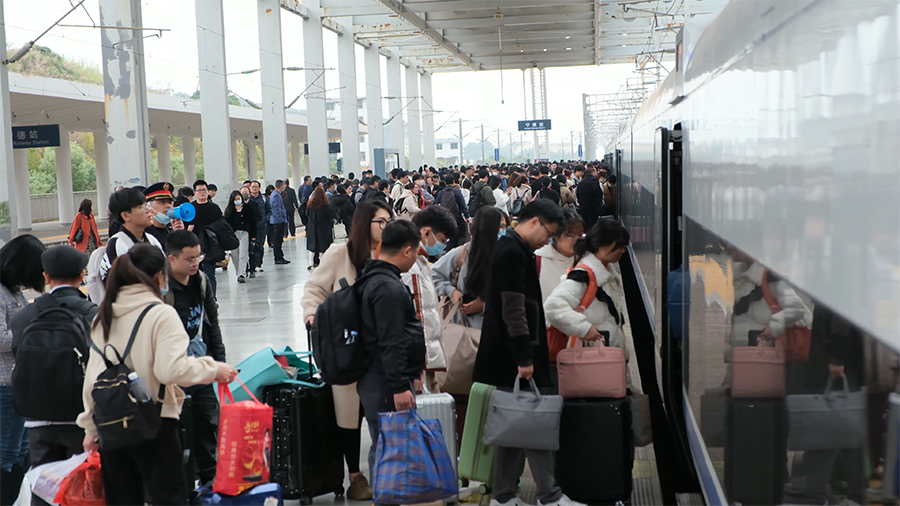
(343,206)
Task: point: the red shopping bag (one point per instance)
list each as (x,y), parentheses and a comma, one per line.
(245,435)
(83,486)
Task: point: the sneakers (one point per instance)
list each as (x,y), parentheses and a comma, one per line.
(241,279)
(282,262)
(359,489)
(252,275)
(511,502)
(563,501)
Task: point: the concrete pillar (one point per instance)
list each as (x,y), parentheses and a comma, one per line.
(236,146)
(125,91)
(252,164)
(164,158)
(395,108)
(272,79)
(427,102)
(373,102)
(414,126)
(296,170)
(23,189)
(316,117)
(8,208)
(218,146)
(101,158)
(65,194)
(190,161)
(349,110)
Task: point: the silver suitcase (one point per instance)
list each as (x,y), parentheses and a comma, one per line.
(440,407)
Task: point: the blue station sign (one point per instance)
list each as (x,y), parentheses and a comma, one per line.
(36,136)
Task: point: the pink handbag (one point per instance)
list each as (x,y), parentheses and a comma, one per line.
(757,371)
(591,372)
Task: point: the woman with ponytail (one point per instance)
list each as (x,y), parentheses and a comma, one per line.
(597,252)
(158,355)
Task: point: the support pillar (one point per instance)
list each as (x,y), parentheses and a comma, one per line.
(349,110)
(427,118)
(296,170)
(8,202)
(125,91)
(218,147)
(414,126)
(252,163)
(272,79)
(190,161)
(316,114)
(104,188)
(65,194)
(373,102)
(164,158)
(23,189)
(236,145)
(395,107)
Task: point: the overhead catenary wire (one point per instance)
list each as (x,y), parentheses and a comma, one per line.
(30,44)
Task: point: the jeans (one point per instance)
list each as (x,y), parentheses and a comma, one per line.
(13,439)
(240,257)
(209,268)
(277,240)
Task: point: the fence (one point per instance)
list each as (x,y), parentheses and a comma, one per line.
(45,206)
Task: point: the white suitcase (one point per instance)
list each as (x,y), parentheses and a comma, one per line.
(441,407)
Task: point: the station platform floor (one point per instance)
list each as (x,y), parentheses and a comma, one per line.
(266,311)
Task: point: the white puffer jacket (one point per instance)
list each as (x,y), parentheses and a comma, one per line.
(552,269)
(561,307)
(420,282)
(747,277)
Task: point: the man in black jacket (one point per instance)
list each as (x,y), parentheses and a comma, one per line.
(207,213)
(190,294)
(391,331)
(514,340)
(63,271)
(590,198)
(291,204)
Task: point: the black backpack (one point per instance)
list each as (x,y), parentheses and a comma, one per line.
(448,201)
(476,201)
(337,346)
(50,363)
(517,204)
(123,422)
(398,206)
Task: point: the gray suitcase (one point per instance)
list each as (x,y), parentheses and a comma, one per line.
(441,407)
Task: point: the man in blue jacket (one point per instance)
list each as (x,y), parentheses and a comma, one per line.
(279,222)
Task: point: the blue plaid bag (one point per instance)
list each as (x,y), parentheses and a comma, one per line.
(412,464)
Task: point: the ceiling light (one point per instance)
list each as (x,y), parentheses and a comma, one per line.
(624,45)
(568,49)
(545,49)
(624,34)
(567,37)
(518,46)
(499,15)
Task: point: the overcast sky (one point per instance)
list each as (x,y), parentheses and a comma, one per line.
(476,97)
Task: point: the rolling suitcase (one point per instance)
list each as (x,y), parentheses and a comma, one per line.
(476,459)
(441,407)
(756,451)
(596,450)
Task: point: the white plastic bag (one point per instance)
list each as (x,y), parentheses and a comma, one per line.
(24,498)
(46,479)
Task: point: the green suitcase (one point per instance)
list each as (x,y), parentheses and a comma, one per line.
(476,459)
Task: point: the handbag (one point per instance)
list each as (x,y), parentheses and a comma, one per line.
(79,235)
(460,349)
(412,463)
(795,340)
(524,420)
(262,369)
(757,371)
(833,421)
(245,440)
(556,340)
(340,232)
(591,372)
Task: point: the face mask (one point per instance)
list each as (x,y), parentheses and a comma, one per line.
(501,233)
(164,290)
(163,218)
(435,250)
(238,202)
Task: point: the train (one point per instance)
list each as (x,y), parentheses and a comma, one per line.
(760,183)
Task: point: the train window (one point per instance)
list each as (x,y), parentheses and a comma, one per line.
(794,403)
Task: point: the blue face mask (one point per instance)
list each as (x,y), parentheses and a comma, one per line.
(164,290)
(501,233)
(435,250)
(238,202)
(163,218)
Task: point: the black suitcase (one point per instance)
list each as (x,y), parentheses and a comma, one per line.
(756,451)
(306,457)
(596,450)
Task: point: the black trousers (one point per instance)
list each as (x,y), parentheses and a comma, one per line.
(291,227)
(156,466)
(52,444)
(277,239)
(205,422)
(590,218)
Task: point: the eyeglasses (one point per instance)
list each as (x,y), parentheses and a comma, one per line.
(201,191)
(146,208)
(195,261)
(551,232)
(382,222)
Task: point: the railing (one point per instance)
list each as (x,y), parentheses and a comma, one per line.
(45,206)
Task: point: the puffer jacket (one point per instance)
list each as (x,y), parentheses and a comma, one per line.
(407,205)
(158,355)
(553,267)
(561,307)
(420,282)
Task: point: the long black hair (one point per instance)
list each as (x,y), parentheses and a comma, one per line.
(484,238)
(359,244)
(20,263)
(86,208)
(604,233)
(230,207)
(138,266)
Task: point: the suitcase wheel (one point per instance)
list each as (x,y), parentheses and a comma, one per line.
(339,492)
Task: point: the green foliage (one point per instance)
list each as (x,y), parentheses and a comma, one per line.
(42,169)
(43,61)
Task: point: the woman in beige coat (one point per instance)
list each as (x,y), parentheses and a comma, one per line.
(159,357)
(346,261)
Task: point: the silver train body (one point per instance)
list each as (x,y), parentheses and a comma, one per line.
(775,144)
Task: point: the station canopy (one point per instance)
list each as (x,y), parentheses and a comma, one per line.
(447,35)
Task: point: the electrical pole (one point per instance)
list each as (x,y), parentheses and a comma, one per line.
(498,146)
(482,143)
(572,142)
(460,144)
(510,147)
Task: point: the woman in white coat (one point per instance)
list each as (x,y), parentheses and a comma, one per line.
(598,251)
(407,205)
(555,260)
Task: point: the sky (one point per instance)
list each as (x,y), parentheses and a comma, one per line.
(171,63)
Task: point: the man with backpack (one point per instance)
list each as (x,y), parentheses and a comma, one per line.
(590,198)
(402,179)
(51,342)
(190,295)
(451,199)
(482,194)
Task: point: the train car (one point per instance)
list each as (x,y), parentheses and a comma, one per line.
(761,187)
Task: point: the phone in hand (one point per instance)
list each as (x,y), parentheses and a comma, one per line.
(469,297)
(753,337)
(605,334)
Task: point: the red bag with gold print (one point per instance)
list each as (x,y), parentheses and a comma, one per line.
(245,437)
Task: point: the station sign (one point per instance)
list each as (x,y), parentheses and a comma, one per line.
(36,136)
(534,124)
(496,155)
(580,151)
